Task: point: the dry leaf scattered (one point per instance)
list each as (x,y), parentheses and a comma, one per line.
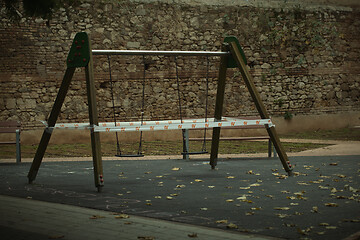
(192,235)
(282,208)
(232,226)
(331,204)
(222,221)
(122,216)
(146,238)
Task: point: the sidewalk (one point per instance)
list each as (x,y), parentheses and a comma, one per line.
(36,220)
(336,148)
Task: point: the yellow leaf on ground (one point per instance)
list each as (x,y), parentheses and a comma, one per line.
(230,200)
(175,169)
(331,204)
(122,216)
(232,226)
(230,177)
(331,227)
(198,180)
(281,208)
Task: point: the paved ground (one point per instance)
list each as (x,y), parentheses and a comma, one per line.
(243,196)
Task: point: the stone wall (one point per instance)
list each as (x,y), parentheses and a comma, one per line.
(303,60)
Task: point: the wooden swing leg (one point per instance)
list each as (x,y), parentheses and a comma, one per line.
(218,108)
(235,52)
(51,123)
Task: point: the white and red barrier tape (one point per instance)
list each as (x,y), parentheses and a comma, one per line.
(164,124)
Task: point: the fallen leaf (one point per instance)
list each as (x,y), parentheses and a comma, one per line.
(175,169)
(283,215)
(303,183)
(146,238)
(322,187)
(324,224)
(230,177)
(254,185)
(331,227)
(160,176)
(222,221)
(244,188)
(149,204)
(122,216)
(241,198)
(320,233)
(294,204)
(341,197)
(157,197)
(230,200)
(301,231)
(333,164)
(198,180)
(250,172)
(180,186)
(351,220)
(341,175)
(147,172)
(256,208)
(128,223)
(232,226)
(315,209)
(174,194)
(192,235)
(203,209)
(169,198)
(282,208)
(331,204)
(211,186)
(249,213)
(285,192)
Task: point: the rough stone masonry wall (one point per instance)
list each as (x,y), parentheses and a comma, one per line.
(304,61)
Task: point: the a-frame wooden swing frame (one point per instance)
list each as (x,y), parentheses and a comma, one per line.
(80,55)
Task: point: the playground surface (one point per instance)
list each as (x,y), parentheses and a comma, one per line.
(244,198)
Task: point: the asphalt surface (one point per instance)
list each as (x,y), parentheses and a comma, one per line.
(244,195)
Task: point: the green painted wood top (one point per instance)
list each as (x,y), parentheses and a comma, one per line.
(79,54)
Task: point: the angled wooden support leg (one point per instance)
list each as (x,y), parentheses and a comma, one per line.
(51,123)
(235,52)
(219,108)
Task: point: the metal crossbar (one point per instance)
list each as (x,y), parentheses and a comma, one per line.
(165,53)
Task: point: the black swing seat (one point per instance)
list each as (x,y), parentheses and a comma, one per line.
(129,155)
(194,153)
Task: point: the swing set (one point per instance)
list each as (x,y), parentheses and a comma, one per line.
(80,55)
